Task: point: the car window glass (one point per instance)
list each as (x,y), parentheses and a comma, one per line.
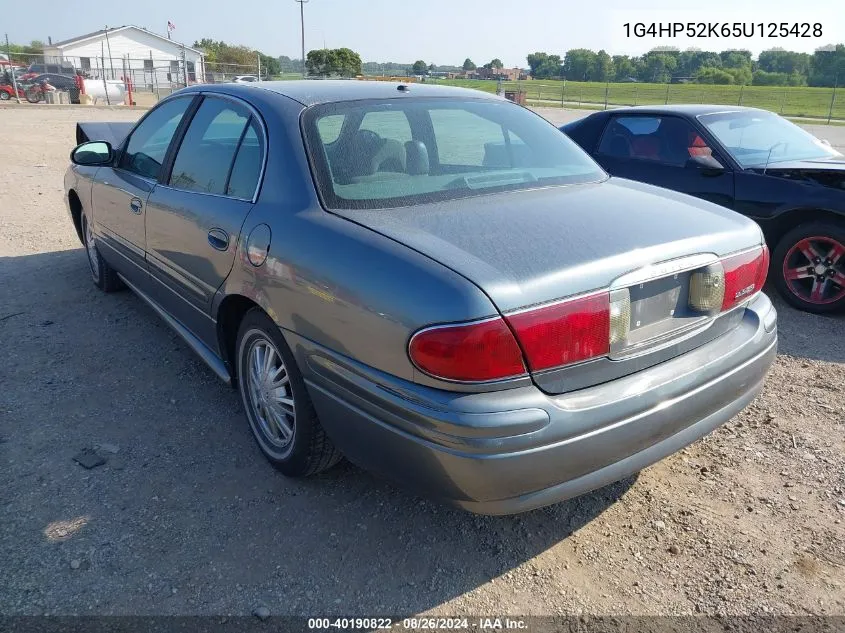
(208,149)
(471,146)
(146,149)
(757,138)
(463,137)
(668,140)
(247,167)
(329,127)
(389,124)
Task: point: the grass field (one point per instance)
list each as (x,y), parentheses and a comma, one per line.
(796,102)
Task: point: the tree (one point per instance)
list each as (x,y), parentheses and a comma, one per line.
(604,67)
(535,61)
(288,65)
(624,68)
(764,78)
(691,60)
(32,53)
(658,66)
(545,66)
(270,66)
(828,66)
(579,64)
(419,67)
(711,75)
(496,63)
(230,58)
(777,60)
(333,61)
(469,64)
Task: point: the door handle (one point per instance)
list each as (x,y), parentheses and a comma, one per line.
(135,205)
(219,239)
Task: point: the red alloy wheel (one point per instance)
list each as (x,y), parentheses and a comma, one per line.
(814,270)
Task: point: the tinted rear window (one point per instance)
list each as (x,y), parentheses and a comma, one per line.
(400,152)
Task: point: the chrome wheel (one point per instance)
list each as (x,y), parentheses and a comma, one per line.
(813,270)
(91,249)
(269,392)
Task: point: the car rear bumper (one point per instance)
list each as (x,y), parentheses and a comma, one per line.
(514,450)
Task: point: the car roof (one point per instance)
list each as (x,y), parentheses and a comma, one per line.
(312,92)
(688,109)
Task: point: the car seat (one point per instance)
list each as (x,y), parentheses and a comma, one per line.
(365,154)
(645,146)
(416,158)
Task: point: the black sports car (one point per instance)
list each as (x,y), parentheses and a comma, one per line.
(751,161)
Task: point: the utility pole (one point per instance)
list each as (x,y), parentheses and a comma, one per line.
(258,57)
(108,45)
(302,21)
(12,70)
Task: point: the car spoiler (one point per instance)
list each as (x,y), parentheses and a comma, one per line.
(113,133)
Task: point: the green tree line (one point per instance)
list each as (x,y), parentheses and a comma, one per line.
(219,53)
(775,67)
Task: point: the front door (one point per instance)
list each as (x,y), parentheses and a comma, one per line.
(657,150)
(120,192)
(194,216)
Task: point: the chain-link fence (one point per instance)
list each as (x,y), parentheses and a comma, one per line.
(149,78)
(804,101)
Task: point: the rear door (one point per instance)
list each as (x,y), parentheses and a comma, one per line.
(657,150)
(120,192)
(194,216)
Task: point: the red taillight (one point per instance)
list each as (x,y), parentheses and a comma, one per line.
(563,333)
(745,275)
(471,352)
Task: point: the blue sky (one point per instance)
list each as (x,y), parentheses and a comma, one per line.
(437,31)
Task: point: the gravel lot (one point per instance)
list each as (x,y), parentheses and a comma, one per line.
(186,517)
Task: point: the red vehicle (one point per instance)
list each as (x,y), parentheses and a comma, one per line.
(8,92)
(37,91)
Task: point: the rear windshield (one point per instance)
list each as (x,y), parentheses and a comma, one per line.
(400,152)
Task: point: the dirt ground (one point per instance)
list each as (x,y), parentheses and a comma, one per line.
(186,517)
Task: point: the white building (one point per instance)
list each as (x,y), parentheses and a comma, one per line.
(151,60)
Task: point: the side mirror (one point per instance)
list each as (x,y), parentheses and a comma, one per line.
(92,153)
(707,164)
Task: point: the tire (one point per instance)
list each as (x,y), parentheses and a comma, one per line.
(4,96)
(34,95)
(103,275)
(304,449)
(808,267)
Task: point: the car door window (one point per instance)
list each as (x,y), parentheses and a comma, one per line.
(246,169)
(144,154)
(208,150)
(667,140)
(466,139)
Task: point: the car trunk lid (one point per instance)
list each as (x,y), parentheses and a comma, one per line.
(530,248)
